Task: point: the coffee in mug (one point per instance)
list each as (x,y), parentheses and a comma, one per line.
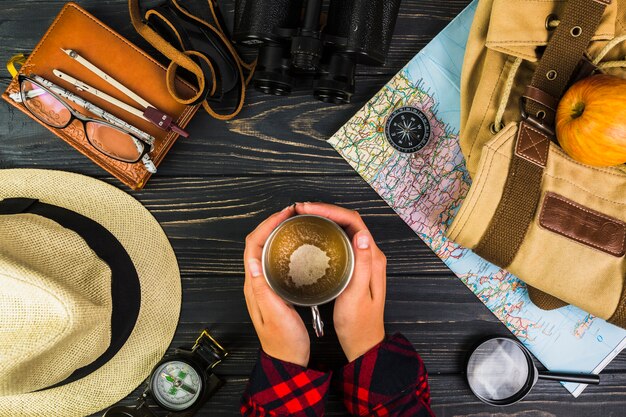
(308,260)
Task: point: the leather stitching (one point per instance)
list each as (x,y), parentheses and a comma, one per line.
(593,213)
(71,6)
(567,181)
(540,147)
(558,153)
(128,177)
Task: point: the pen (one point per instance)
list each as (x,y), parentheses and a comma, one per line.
(148,163)
(150,113)
(81,86)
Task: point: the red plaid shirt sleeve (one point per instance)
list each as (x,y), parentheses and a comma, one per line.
(278,388)
(389,380)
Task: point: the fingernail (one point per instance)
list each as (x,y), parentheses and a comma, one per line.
(363,242)
(255,268)
(288,207)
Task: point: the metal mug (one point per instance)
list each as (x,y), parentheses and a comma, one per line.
(313,302)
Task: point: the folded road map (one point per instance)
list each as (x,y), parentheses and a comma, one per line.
(426,189)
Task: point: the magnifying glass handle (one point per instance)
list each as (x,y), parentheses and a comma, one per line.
(566,377)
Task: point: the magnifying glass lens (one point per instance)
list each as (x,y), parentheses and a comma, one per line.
(498,371)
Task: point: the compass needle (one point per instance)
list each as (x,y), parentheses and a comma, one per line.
(167,377)
(407,129)
(187,388)
(178,385)
(181,383)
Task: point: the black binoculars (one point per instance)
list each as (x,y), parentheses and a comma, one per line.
(297,42)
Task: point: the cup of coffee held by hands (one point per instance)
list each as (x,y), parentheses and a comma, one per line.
(308,261)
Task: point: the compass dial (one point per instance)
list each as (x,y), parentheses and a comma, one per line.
(407,129)
(176,385)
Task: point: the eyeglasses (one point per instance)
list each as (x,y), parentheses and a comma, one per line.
(111,136)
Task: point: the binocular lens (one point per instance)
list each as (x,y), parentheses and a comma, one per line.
(332,96)
(272,73)
(272,87)
(294,45)
(337,85)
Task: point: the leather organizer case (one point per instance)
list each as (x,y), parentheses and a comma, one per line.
(74,28)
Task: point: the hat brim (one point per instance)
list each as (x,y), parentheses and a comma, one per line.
(154,259)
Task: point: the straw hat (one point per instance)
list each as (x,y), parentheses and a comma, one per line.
(89,293)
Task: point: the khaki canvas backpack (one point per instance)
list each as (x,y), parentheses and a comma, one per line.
(557,224)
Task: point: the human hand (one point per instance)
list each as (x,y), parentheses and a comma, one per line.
(359,310)
(278,325)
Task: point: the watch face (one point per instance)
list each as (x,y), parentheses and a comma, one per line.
(407,129)
(176,385)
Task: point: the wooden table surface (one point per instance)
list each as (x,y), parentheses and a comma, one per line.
(216,186)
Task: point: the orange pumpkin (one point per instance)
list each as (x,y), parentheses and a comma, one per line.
(591,121)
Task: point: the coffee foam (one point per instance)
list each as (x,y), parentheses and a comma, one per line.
(307,265)
(307,258)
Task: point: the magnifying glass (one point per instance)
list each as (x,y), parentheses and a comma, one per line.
(501,371)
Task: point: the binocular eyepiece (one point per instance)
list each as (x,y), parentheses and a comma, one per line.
(299,43)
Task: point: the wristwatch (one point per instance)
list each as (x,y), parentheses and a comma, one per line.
(180,384)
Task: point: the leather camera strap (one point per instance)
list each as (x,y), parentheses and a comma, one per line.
(207,59)
(522,190)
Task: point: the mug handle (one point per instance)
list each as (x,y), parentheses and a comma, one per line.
(318,324)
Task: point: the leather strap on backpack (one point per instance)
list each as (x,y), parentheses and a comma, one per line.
(183,52)
(522,190)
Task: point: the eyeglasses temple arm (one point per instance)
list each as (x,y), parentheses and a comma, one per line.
(94,109)
(146,160)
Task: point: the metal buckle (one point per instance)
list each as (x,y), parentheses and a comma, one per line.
(584,69)
(533,120)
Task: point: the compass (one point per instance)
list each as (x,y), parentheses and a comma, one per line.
(180,384)
(407,129)
(176,385)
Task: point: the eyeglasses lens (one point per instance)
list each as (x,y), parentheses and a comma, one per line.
(114,142)
(44,105)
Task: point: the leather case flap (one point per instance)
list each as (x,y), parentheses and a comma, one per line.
(74,28)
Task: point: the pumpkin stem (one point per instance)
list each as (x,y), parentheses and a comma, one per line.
(578,109)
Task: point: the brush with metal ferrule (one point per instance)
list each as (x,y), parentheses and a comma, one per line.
(150,112)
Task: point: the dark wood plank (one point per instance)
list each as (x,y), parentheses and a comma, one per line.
(451,397)
(273,135)
(418,22)
(277,135)
(215,187)
(207,221)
